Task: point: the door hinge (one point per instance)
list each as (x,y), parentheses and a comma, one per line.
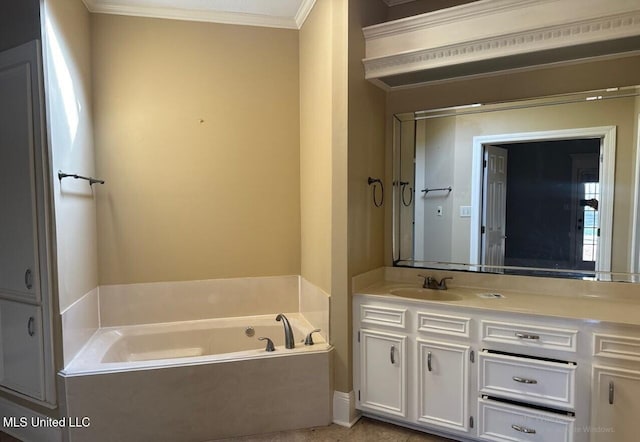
(472,356)
(482,229)
(484,163)
(471,421)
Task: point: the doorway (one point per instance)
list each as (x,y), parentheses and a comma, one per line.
(551,207)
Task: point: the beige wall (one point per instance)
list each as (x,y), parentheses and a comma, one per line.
(323,167)
(316,52)
(365,236)
(67,59)
(197,138)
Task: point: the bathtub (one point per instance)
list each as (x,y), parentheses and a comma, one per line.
(198,380)
(190,342)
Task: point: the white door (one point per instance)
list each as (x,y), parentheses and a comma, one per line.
(383,372)
(494,206)
(21,352)
(443,374)
(616,408)
(18,272)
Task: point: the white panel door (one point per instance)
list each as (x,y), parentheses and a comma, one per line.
(494,206)
(443,374)
(21,351)
(18,272)
(383,372)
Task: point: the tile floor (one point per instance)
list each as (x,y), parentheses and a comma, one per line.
(365,429)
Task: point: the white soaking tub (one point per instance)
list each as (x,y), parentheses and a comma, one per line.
(190,342)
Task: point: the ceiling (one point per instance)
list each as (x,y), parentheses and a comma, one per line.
(289,14)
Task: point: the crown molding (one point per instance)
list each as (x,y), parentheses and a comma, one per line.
(531,32)
(232,18)
(303,12)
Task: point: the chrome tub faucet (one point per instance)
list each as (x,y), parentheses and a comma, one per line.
(288,332)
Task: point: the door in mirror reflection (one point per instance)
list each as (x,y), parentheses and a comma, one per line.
(540,206)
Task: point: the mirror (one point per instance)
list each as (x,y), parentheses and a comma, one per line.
(546,187)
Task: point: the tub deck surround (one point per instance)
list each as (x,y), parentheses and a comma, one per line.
(137,347)
(558,298)
(203,402)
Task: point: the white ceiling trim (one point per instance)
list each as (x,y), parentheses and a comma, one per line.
(305,9)
(232,18)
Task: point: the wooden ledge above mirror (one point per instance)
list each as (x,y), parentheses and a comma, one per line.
(488,36)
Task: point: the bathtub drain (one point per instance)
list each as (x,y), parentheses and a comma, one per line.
(249,331)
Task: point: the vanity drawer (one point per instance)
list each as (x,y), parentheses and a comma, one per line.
(386,316)
(533,381)
(505,422)
(443,324)
(616,347)
(531,336)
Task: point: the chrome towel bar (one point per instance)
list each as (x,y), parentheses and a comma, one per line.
(91,180)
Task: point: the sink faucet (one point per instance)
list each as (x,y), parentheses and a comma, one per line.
(288,333)
(432,283)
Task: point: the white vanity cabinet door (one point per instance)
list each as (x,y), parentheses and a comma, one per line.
(383,372)
(17,204)
(616,405)
(443,375)
(21,350)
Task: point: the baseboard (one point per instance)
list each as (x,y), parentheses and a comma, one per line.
(344,409)
(18,421)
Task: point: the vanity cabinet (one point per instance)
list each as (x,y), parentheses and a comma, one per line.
(412,366)
(443,384)
(383,374)
(616,386)
(472,374)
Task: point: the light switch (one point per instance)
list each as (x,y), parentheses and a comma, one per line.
(465,211)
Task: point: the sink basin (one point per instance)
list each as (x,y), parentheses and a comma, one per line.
(426,294)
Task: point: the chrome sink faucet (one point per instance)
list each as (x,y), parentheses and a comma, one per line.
(288,332)
(432,283)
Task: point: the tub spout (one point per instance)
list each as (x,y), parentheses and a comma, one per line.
(288,333)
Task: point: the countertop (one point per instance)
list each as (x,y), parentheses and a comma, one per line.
(581,307)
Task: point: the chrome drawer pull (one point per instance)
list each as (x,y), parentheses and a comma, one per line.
(30,324)
(611,392)
(526,336)
(392,354)
(28,279)
(523,429)
(524,380)
(429,361)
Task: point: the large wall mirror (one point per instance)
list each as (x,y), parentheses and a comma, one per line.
(539,187)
